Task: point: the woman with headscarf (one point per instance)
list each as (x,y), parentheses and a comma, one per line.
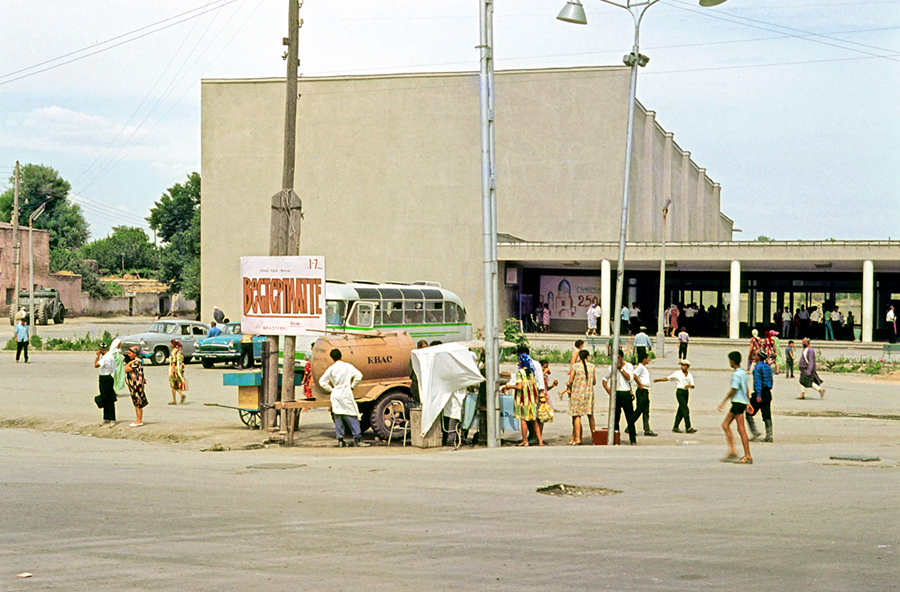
(134,378)
(769,349)
(526,399)
(779,354)
(176,371)
(755,345)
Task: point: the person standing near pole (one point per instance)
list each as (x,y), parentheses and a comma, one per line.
(624,372)
(105,362)
(642,394)
(339,380)
(591,320)
(683,339)
(642,344)
(740,402)
(21,333)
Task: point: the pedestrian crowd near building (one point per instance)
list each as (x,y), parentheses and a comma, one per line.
(827,323)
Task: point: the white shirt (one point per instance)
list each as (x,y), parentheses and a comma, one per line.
(890,318)
(786,316)
(107,365)
(621,383)
(598,311)
(681,381)
(642,374)
(340,379)
(816,316)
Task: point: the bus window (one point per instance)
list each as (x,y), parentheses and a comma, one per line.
(414,313)
(393,313)
(377,319)
(451,314)
(434,312)
(361,315)
(334,312)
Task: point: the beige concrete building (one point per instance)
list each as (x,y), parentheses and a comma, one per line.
(388,168)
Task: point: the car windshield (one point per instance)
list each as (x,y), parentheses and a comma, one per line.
(234,329)
(163,328)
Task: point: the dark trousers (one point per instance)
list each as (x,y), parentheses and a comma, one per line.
(20,347)
(108,396)
(682,350)
(641,352)
(350,420)
(762,407)
(246,355)
(642,407)
(623,403)
(681,395)
(789,368)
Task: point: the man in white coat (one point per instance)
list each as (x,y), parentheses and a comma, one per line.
(340,379)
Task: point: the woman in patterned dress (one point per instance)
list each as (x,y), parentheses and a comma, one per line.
(755,345)
(176,371)
(134,378)
(582,378)
(526,399)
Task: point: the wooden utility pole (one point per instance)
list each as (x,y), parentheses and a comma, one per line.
(284,232)
(15,241)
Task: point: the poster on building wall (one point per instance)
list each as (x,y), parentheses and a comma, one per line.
(569,297)
(283,295)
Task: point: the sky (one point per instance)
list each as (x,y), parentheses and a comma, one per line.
(792,106)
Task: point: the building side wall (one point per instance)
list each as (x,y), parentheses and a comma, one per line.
(388,168)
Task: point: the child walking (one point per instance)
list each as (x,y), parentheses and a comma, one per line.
(740,402)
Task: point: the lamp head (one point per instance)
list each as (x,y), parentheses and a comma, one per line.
(711,2)
(573,12)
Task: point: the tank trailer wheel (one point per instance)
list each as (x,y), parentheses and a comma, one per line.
(383,415)
(40,315)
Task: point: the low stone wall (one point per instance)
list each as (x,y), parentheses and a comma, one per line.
(138,304)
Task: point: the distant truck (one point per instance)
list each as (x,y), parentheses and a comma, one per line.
(47,307)
(384,360)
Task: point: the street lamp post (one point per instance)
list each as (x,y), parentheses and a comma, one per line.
(34,216)
(573,12)
(661,314)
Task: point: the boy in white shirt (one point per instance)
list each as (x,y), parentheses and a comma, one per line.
(683,380)
(642,380)
(624,371)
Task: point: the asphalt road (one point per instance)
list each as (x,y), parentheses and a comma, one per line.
(86,507)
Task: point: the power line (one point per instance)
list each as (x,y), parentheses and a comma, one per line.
(104,49)
(806,35)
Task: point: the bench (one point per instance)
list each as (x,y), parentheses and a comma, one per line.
(890,348)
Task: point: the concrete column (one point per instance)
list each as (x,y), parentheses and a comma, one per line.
(685,199)
(868,304)
(605,299)
(672,219)
(649,203)
(734,314)
(699,230)
(716,224)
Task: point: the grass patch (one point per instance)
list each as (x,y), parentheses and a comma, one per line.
(844,365)
(86,343)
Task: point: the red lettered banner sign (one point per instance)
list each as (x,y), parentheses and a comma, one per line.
(283,295)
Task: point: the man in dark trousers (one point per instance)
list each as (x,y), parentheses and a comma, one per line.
(762,397)
(623,395)
(106,365)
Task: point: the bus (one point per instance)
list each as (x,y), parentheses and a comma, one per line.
(423,309)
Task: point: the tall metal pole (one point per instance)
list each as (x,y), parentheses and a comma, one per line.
(634,59)
(34,216)
(284,237)
(489,226)
(15,241)
(661,320)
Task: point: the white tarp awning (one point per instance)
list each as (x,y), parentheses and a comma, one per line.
(442,370)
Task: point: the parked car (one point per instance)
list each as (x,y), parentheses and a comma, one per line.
(226,347)
(156,342)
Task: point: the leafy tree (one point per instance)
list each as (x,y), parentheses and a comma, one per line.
(91,283)
(127,248)
(64,219)
(176,219)
(764,239)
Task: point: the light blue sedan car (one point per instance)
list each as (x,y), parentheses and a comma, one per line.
(226,347)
